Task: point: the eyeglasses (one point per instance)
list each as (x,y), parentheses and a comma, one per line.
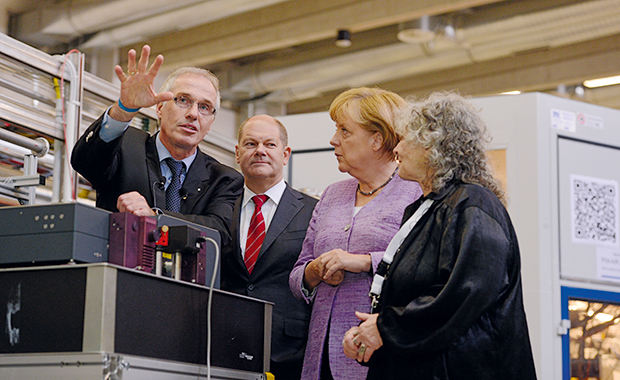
(184,102)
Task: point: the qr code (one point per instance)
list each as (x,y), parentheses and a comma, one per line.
(594,211)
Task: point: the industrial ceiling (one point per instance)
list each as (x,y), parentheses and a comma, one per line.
(283,54)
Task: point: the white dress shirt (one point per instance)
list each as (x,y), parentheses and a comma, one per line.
(268,209)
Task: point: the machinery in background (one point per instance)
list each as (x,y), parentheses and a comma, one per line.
(133,241)
(77,233)
(53,234)
(118,288)
(164,246)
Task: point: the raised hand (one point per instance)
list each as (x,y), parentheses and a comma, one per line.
(137,85)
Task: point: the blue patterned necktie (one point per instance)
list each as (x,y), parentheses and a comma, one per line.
(173,192)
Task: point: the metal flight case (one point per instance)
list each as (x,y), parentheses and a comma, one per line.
(109,367)
(101,321)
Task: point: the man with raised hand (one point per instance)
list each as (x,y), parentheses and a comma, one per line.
(143,174)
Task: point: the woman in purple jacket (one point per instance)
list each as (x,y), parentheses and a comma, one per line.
(351,227)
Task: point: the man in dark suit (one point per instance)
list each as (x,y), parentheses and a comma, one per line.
(262,152)
(135,172)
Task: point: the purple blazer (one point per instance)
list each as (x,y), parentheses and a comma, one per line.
(333,226)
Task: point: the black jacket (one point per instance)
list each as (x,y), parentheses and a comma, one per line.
(451,305)
(130,163)
(270,278)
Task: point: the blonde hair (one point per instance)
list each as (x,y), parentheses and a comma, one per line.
(373,109)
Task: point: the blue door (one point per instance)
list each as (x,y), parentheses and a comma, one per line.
(591,349)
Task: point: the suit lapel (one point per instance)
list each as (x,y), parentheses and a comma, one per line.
(158,196)
(234,231)
(196,182)
(287,209)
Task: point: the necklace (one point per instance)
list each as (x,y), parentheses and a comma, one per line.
(378,188)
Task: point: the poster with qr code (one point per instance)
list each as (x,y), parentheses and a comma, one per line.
(594,211)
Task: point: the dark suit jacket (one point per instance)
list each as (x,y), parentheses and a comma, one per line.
(131,163)
(269,279)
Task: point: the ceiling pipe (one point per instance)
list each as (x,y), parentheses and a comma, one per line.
(75,21)
(179,19)
(139,19)
(480,43)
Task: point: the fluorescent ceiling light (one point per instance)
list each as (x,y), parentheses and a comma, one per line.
(516,92)
(600,82)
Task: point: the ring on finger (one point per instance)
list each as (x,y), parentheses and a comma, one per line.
(362,349)
(355,341)
(132,72)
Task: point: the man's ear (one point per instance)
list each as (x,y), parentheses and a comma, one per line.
(287,154)
(158,110)
(237,154)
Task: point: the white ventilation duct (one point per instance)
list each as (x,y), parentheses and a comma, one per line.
(174,21)
(558,27)
(123,22)
(75,21)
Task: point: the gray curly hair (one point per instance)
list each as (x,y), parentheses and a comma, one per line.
(454,133)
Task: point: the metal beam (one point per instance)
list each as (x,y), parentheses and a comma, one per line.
(534,71)
(541,70)
(289,24)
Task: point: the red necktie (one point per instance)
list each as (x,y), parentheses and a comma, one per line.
(256,233)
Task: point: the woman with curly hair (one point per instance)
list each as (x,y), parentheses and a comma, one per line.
(447,297)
